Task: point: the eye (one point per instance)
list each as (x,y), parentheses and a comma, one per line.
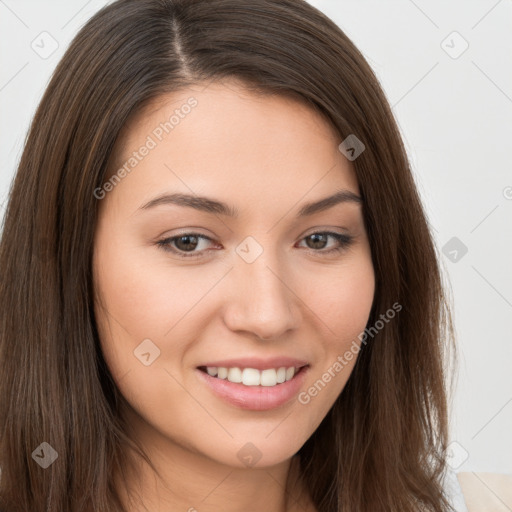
(184,245)
(186,242)
(319,240)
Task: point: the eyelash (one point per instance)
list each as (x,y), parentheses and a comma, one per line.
(344,240)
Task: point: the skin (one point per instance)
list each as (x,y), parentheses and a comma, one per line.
(266,156)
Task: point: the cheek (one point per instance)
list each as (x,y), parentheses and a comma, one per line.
(144,301)
(143,314)
(350,317)
(341,304)
(351,303)
(342,300)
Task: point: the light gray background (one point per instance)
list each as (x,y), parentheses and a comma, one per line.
(455,113)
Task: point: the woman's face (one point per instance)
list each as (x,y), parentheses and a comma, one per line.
(263,289)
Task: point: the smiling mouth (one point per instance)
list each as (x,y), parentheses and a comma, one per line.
(253,377)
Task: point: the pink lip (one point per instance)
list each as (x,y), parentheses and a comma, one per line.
(255,398)
(257,363)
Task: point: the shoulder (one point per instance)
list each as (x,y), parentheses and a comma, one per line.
(486,491)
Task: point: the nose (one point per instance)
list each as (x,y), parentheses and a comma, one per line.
(261,300)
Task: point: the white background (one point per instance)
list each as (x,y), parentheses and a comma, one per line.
(455,115)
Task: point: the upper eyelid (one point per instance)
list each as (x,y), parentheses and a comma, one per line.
(192,231)
(327,231)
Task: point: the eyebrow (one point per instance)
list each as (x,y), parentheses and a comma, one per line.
(208,205)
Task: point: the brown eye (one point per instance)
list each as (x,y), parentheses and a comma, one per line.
(186,242)
(318,241)
(183,244)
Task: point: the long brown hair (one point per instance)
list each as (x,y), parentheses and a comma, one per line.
(382,446)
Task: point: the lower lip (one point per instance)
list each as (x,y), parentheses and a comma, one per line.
(255,398)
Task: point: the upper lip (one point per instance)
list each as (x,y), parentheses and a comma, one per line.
(257,363)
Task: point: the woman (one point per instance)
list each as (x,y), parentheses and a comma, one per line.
(292,357)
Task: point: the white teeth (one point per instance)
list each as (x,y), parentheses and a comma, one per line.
(235,375)
(269,377)
(252,376)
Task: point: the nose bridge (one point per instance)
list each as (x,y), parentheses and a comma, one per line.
(263,302)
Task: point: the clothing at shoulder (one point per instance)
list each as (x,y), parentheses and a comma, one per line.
(454,492)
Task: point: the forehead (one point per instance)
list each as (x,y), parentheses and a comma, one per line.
(232,140)
(231,102)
